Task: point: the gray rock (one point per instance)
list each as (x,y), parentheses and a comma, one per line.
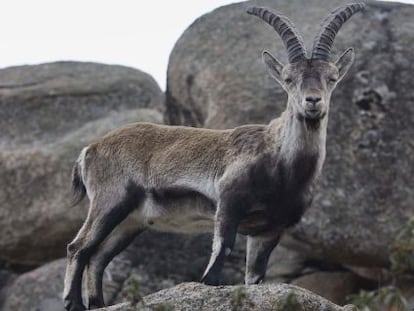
(48,113)
(6,279)
(216,79)
(334,286)
(40,289)
(375,274)
(119,307)
(40,104)
(284,265)
(195,296)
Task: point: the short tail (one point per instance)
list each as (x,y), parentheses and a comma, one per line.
(78,187)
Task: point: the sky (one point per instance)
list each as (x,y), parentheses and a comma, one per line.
(134,33)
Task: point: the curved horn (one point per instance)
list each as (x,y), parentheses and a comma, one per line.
(324,40)
(291,39)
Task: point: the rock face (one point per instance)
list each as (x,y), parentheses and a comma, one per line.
(216,79)
(40,289)
(334,286)
(48,113)
(195,296)
(41,104)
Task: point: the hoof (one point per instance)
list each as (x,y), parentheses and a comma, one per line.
(209,280)
(73,306)
(252,280)
(95,304)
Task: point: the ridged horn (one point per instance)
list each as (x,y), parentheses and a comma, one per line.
(324,40)
(291,39)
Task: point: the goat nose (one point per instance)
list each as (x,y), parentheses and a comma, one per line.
(312,99)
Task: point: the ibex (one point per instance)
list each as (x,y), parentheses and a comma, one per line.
(255,180)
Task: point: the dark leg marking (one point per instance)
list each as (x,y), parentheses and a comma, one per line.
(100,260)
(225,231)
(99,224)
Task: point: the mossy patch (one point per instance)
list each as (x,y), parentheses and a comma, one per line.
(402,250)
(386,298)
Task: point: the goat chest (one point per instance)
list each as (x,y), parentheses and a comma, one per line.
(271,193)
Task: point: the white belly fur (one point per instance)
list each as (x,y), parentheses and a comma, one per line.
(183,215)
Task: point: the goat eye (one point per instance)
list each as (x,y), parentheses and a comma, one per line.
(332,80)
(288,80)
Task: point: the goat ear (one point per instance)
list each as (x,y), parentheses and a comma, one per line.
(273,65)
(345,62)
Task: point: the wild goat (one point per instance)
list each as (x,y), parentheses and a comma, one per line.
(255,179)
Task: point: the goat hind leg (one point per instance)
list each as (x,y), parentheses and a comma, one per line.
(119,239)
(72,294)
(105,213)
(94,231)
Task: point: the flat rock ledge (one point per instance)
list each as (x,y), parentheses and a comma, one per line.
(196,296)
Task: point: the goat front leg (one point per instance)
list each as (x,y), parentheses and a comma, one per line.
(225,230)
(259,249)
